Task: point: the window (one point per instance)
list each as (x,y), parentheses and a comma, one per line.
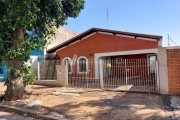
(68,61)
(118,60)
(82,64)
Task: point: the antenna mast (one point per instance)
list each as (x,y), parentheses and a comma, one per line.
(168,41)
(107,16)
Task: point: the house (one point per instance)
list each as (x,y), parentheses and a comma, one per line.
(133,61)
(112,46)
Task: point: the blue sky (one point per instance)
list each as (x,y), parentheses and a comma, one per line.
(157,17)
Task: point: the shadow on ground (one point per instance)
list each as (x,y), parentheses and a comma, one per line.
(125,107)
(99,105)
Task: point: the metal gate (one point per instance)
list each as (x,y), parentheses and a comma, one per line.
(115,74)
(129,75)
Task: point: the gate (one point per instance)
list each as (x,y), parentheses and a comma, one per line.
(114,74)
(129,75)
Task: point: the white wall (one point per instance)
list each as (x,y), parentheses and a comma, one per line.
(34,60)
(163,72)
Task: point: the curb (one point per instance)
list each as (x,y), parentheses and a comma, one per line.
(30,113)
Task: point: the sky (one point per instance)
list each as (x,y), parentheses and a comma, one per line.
(156,17)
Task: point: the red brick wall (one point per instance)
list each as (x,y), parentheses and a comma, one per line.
(173,64)
(101,43)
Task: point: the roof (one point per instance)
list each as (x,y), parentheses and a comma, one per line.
(93,30)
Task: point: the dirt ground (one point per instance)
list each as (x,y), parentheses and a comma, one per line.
(96,105)
(13,116)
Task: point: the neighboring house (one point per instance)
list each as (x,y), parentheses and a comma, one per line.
(105,44)
(63,34)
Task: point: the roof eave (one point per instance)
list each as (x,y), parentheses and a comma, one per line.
(90,31)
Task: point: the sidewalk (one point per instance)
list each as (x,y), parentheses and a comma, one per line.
(171,107)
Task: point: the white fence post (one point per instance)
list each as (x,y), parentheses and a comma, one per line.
(126,74)
(157,72)
(67,71)
(101,74)
(38,69)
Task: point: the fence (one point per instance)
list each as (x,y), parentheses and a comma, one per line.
(82,74)
(112,74)
(130,75)
(46,68)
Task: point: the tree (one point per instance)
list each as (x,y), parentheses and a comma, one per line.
(17,17)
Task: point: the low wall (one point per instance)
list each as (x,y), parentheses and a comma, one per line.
(62,77)
(54,83)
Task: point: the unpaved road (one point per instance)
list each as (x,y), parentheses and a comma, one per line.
(12,116)
(99,105)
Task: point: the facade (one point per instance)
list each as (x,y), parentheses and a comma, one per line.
(95,44)
(129,61)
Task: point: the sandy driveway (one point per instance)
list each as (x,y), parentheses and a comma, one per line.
(99,105)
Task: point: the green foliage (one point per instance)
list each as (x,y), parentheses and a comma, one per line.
(41,16)
(14,73)
(29,79)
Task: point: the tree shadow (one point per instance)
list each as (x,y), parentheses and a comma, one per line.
(109,105)
(129,106)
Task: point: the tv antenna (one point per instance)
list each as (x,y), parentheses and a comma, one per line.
(107,16)
(168,42)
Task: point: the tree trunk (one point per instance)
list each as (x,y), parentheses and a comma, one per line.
(15,88)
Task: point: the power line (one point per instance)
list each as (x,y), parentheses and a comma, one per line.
(173,42)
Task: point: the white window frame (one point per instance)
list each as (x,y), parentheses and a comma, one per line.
(117,61)
(86,65)
(63,63)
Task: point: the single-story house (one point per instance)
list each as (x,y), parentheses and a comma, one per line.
(108,45)
(124,53)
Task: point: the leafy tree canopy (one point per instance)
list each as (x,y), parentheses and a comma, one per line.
(17,18)
(39,15)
